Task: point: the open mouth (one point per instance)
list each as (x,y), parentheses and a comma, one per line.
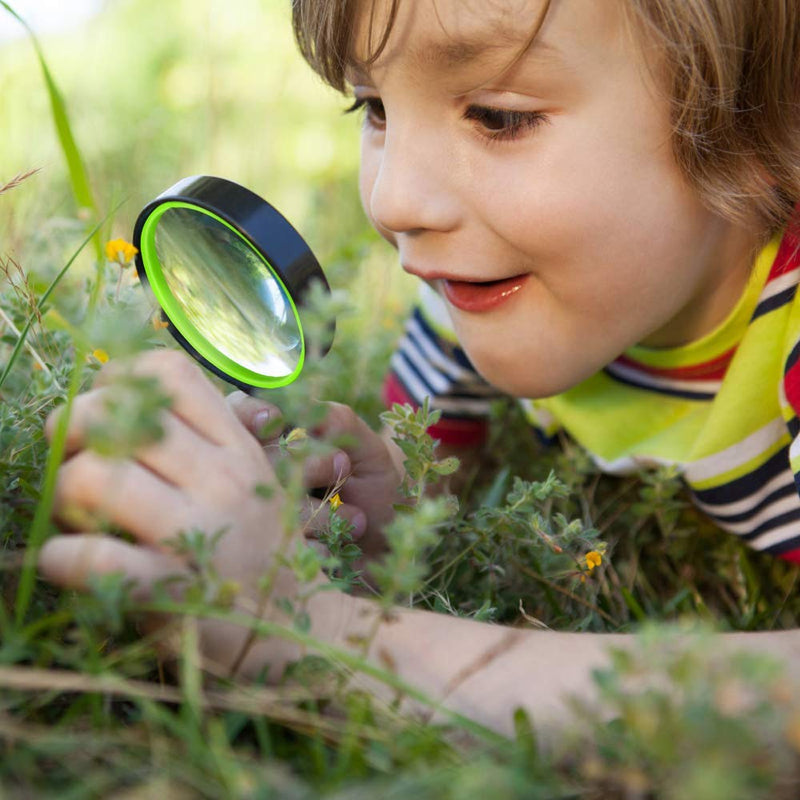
(483,295)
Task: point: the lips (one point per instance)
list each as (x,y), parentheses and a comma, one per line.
(482,296)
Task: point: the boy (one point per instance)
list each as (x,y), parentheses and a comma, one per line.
(592,188)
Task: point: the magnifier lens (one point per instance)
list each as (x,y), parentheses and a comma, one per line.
(231,275)
(223,285)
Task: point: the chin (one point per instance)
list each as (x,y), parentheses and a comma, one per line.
(530,374)
(524,381)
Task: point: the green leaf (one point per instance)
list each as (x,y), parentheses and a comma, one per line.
(447,466)
(78,176)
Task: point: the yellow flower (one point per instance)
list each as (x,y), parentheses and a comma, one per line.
(335,501)
(296,435)
(593,559)
(120,251)
(100,355)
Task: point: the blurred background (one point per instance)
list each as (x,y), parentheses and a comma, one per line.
(156,91)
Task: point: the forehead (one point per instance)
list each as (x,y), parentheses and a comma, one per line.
(447,31)
(449,35)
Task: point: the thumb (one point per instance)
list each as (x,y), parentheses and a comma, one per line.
(260,418)
(364,446)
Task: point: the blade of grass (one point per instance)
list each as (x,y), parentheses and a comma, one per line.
(39,526)
(9,323)
(633,605)
(78,176)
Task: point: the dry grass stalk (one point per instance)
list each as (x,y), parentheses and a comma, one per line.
(17,180)
(276,704)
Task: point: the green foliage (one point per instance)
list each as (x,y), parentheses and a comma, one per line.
(540,539)
(422,467)
(344,554)
(401,573)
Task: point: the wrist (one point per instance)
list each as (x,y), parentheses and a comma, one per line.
(330,612)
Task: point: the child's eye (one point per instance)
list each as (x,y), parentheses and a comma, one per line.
(500,124)
(376,114)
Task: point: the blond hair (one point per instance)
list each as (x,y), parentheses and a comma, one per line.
(730,70)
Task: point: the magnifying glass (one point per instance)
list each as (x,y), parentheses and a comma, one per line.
(231,275)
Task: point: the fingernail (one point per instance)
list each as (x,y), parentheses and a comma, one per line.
(341,465)
(260,421)
(359,523)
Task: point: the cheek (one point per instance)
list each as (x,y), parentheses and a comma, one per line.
(606,203)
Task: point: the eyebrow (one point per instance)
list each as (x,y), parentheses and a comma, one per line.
(458,52)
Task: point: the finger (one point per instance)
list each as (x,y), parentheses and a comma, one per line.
(194,398)
(69,561)
(262,419)
(328,470)
(75,432)
(180,456)
(315,518)
(364,447)
(121,493)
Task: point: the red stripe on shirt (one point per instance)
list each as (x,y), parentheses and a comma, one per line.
(791,385)
(711,370)
(461,432)
(787,257)
(793,556)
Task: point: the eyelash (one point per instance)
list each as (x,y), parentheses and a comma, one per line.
(508,124)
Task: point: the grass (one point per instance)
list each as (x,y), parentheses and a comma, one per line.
(87,709)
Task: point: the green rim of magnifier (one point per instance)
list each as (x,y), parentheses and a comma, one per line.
(176,316)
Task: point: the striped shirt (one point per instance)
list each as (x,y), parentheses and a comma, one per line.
(724,408)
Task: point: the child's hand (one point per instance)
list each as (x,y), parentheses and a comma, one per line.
(368,477)
(202,474)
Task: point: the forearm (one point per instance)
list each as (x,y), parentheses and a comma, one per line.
(485,672)
(480,671)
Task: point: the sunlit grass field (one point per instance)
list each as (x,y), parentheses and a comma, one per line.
(154,91)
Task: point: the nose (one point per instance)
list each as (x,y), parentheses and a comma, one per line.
(412,183)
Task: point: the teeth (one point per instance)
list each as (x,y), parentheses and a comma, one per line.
(486,283)
(483,283)
(492,283)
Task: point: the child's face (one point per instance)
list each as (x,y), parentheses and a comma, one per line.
(555,177)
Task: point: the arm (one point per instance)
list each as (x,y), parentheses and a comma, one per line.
(202,474)
(484,672)
(481,671)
